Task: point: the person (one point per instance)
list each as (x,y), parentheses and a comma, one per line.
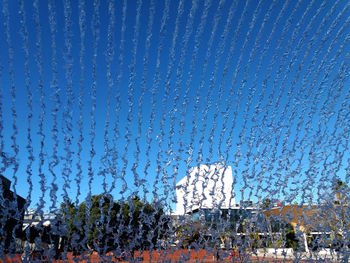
(122,257)
(233,255)
(217,255)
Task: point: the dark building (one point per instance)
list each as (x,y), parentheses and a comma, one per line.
(11,216)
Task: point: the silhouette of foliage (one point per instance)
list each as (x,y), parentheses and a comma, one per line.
(106,225)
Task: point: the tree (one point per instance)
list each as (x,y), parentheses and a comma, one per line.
(341,191)
(290,237)
(266,204)
(225,237)
(191,234)
(104,224)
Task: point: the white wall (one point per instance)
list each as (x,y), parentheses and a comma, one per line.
(206,186)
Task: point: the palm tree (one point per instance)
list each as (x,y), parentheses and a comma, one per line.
(340,189)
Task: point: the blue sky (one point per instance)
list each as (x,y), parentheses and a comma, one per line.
(259,85)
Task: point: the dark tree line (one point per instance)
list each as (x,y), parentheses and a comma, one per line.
(106,225)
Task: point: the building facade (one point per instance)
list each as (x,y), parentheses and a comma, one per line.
(205,187)
(11,216)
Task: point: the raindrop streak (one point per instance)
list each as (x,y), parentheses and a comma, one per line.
(197,41)
(298,72)
(161,167)
(78,224)
(170,154)
(262,142)
(223,41)
(251,94)
(39,62)
(229,103)
(56,104)
(337,84)
(95,28)
(287,73)
(29,171)
(128,134)
(208,100)
(259,87)
(196,106)
(241,141)
(239,92)
(302,141)
(231,95)
(2,146)
(109,56)
(275,58)
(342,120)
(82,30)
(3,159)
(336,141)
(245,173)
(271,100)
(14,134)
(307,101)
(107,166)
(116,135)
(174,111)
(258,108)
(211,87)
(180,13)
(131,89)
(323,174)
(155,89)
(68,111)
(142,181)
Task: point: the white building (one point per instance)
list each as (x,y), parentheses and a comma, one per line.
(205,187)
